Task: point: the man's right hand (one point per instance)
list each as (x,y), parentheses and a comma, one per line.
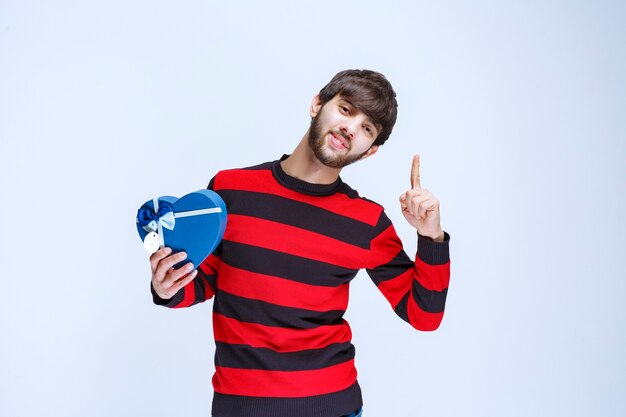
(166,280)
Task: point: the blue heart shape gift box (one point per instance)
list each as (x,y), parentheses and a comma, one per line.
(194,223)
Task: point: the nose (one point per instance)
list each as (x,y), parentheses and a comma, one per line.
(350,127)
(346,132)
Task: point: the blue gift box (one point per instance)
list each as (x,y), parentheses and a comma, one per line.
(194,223)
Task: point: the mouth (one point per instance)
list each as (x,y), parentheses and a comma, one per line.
(338,140)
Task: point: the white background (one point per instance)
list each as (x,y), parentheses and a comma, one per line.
(517,109)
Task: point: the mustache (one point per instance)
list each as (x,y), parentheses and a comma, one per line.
(343,135)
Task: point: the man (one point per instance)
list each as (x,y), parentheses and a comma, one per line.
(296,236)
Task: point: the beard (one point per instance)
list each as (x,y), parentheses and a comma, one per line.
(322,153)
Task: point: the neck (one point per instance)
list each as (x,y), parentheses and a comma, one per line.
(304,165)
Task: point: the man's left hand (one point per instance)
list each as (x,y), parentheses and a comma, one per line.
(420,207)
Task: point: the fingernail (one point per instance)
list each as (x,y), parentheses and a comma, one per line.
(168,251)
(189,266)
(182,255)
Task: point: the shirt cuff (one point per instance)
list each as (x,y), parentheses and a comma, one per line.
(165,302)
(431,252)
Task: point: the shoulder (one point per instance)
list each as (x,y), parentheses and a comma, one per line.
(353,194)
(228,176)
(369,210)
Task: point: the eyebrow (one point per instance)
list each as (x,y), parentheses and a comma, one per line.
(376,126)
(347,101)
(369,119)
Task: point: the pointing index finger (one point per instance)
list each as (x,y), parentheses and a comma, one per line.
(415,173)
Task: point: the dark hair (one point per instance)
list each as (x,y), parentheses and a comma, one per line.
(369,92)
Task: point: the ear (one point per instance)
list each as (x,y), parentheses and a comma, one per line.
(316,105)
(371,151)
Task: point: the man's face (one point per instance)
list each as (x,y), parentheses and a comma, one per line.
(340,134)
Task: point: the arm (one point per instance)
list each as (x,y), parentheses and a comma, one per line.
(183,288)
(170,290)
(416,290)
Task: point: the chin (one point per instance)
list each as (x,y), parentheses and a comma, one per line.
(332,161)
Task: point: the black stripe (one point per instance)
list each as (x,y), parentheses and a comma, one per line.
(352,193)
(247,357)
(283,265)
(172,302)
(298,214)
(334,404)
(261,166)
(398,265)
(401,308)
(208,279)
(268,314)
(428,300)
(434,253)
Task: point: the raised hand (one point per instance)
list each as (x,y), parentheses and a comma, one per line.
(420,207)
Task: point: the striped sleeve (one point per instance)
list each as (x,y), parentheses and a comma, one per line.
(202,287)
(417,289)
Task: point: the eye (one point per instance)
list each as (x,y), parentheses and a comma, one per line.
(369,130)
(344,109)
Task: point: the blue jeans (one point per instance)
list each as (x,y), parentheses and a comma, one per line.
(357,413)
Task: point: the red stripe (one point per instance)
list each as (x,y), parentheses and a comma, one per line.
(282,291)
(339,203)
(384,247)
(433,277)
(395,288)
(210,265)
(421,319)
(295,241)
(280,339)
(292,384)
